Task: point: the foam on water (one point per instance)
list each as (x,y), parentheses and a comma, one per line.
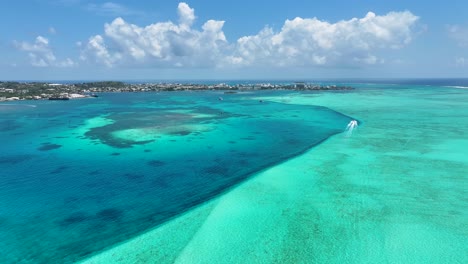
(458,87)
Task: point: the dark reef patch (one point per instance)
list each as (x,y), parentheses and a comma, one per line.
(59,170)
(243,162)
(134,176)
(49,146)
(74,218)
(166,120)
(110,214)
(181,133)
(9,125)
(94,172)
(156,163)
(14,159)
(220,170)
(160,182)
(293,142)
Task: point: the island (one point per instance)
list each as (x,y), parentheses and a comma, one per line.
(10,91)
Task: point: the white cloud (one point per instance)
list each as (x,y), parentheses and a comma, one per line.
(163,43)
(300,42)
(66,63)
(461,61)
(315,42)
(459,34)
(186,14)
(99,51)
(52,31)
(370,59)
(111,9)
(41,54)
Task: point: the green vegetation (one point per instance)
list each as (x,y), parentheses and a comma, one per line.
(39,90)
(102,84)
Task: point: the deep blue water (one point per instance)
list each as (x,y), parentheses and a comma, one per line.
(82,175)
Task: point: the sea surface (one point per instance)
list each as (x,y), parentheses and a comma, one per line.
(251,177)
(82,175)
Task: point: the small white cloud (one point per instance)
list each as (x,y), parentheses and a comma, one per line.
(66,63)
(52,31)
(37,61)
(459,34)
(461,61)
(370,60)
(41,54)
(111,9)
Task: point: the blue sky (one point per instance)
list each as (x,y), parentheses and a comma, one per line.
(94,40)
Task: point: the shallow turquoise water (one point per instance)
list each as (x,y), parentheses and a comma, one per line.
(80,176)
(395,191)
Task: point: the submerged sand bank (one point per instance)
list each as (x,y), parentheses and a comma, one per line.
(393,192)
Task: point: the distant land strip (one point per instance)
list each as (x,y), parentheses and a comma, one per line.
(11,91)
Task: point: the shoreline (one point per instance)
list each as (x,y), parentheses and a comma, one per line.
(14,91)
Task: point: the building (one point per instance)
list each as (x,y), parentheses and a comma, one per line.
(299,85)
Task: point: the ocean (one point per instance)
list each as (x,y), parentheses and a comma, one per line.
(251,177)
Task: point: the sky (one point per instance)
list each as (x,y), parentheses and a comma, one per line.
(199,39)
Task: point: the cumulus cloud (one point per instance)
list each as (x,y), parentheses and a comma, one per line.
(459,34)
(41,55)
(186,14)
(99,50)
(315,42)
(300,42)
(163,43)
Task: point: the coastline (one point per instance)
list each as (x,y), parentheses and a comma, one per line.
(14,91)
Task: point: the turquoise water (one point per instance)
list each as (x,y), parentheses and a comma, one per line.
(395,191)
(81,176)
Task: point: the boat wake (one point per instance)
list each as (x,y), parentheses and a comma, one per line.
(458,87)
(352,125)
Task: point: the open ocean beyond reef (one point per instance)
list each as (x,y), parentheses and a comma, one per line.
(250,177)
